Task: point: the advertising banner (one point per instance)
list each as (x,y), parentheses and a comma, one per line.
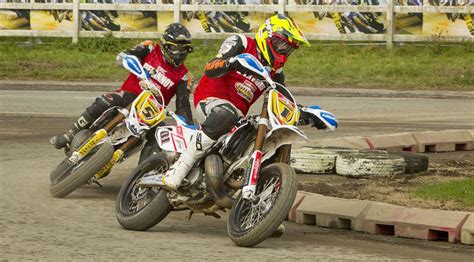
(217,21)
(51,20)
(411,23)
(14,19)
(340,22)
(449,24)
(327,22)
(102,20)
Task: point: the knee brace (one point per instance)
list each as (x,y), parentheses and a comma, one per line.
(220,121)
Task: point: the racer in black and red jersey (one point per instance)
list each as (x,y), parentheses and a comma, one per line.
(164,62)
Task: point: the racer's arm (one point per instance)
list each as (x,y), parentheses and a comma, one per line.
(140,51)
(279,77)
(231,47)
(183,108)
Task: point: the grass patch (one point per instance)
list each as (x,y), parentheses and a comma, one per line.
(461,191)
(336,64)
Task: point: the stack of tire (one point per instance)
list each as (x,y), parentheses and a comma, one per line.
(357,163)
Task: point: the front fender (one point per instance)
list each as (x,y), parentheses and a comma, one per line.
(281,135)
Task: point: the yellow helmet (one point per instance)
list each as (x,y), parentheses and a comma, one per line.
(277,38)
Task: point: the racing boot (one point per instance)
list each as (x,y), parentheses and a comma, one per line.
(63,140)
(199,145)
(279,231)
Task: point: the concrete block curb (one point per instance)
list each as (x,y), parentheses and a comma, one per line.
(431,224)
(358,142)
(300,195)
(332,212)
(393,142)
(439,141)
(380,217)
(385,219)
(467,231)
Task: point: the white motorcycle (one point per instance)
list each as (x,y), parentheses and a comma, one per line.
(247,170)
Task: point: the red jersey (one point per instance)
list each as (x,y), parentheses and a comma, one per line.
(164,75)
(242,91)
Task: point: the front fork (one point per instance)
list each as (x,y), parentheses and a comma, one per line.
(253,169)
(97,138)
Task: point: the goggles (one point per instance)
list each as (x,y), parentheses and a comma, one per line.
(282,46)
(178,48)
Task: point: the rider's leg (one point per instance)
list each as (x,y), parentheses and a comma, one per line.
(219,116)
(91,113)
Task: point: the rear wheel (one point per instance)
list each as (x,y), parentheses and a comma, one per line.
(72,177)
(139,208)
(250,223)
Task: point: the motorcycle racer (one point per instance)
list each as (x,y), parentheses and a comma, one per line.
(227,90)
(164,63)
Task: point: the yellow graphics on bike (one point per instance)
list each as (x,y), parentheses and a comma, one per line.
(283,110)
(92,142)
(148,109)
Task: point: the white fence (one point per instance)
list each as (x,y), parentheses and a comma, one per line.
(177,7)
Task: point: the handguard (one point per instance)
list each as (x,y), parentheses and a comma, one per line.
(320,118)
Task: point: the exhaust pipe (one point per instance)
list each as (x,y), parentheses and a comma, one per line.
(214,170)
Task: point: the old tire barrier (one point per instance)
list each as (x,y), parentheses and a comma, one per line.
(313,163)
(415,163)
(317,160)
(369,164)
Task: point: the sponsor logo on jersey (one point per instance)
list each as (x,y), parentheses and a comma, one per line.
(244,91)
(257,82)
(159,74)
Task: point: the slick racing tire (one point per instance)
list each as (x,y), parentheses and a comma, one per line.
(76,142)
(82,172)
(368,164)
(142,208)
(276,191)
(415,163)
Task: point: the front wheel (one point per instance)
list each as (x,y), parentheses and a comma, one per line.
(72,177)
(251,223)
(139,208)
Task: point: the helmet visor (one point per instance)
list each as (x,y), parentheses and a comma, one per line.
(281,46)
(178,48)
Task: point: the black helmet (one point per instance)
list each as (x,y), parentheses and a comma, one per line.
(176,44)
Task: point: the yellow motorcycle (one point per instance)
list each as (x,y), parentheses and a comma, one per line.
(117,134)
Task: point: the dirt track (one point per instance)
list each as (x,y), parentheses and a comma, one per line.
(33,225)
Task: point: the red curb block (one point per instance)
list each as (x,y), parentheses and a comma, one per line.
(385,219)
(444,141)
(300,195)
(393,142)
(431,224)
(467,231)
(332,212)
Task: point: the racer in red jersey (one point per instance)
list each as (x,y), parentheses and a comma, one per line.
(164,62)
(227,90)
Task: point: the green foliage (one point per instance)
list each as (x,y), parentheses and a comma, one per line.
(460,190)
(325,64)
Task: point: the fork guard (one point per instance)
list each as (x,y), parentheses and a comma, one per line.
(279,136)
